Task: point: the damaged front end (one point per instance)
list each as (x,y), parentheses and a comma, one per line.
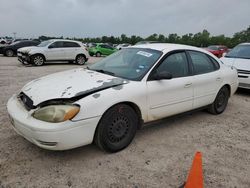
(62,109)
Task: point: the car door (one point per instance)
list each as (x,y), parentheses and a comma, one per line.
(104,49)
(55,51)
(170,96)
(71,49)
(207,78)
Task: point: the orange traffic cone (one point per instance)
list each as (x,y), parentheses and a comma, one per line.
(195,177)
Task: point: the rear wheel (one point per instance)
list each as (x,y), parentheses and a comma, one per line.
(117,128)
(80,59)
(9,53)
(37,60)
(98,54)
(220,103)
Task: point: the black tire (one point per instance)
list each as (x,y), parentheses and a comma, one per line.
(80,59)
(220,102)
(9,53)
(37,60)
(98,54)
(116,128)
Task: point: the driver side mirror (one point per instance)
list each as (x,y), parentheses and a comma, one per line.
(50,46)
(164,75)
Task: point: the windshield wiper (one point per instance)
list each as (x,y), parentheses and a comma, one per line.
(104,71)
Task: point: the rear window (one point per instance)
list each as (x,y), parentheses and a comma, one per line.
(70,44)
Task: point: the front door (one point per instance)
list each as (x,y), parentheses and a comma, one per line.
(55,51)
(167,97)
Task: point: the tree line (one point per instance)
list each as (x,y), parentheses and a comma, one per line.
(200,39)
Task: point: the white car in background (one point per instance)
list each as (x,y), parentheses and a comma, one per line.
(239,57)
(54,50)
(108,101)
(121,46)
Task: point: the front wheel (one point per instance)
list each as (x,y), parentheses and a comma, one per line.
(220,102)
(37,60)
(117,128)
(80,59)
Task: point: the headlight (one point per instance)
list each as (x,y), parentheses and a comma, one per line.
(56,113)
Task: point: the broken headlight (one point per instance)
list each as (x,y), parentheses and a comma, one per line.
(56,113)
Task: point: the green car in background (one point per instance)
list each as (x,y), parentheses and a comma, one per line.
(99,49)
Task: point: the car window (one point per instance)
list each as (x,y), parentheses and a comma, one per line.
(240,51)
(58,44)
(44,43)
(213,47)
(70,44)
(129,63)
(103,46)
(176,64)
(201,63)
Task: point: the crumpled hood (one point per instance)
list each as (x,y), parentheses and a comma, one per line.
(68,84)
(26,49)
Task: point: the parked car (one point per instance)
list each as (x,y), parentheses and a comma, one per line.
(121,46)
(146,42)
(11,50)
(239,57)
(217,50)
(54,50)
(100,49)
(109,100)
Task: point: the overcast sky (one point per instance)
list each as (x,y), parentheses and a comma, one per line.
(93,18)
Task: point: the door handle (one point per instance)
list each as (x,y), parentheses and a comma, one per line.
(188,85)
(218,79)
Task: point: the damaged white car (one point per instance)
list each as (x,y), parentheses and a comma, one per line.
(108,101)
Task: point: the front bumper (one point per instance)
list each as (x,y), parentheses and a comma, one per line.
(244,79)
(52,136)
(23,58)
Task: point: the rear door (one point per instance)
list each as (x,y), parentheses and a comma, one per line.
(71,50)
(171,96)
(207,78)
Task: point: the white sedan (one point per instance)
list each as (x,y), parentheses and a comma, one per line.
(108,101)
(239,57)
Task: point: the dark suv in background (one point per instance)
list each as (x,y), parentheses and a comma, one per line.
(11,50)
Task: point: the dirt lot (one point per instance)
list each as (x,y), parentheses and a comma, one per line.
(159,156)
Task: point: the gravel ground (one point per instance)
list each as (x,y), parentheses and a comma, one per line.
(159,156)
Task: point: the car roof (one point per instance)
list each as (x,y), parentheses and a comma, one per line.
(245,43)
(64,40)
(165,47)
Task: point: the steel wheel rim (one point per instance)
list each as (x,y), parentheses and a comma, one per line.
(38,60)
(118,129)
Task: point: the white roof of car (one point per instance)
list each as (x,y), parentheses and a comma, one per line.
(52,40)
(245,43)
(168,47)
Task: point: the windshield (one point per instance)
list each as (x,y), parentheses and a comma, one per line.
(213,47)
(129,63)
(44,43)
(240,51)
